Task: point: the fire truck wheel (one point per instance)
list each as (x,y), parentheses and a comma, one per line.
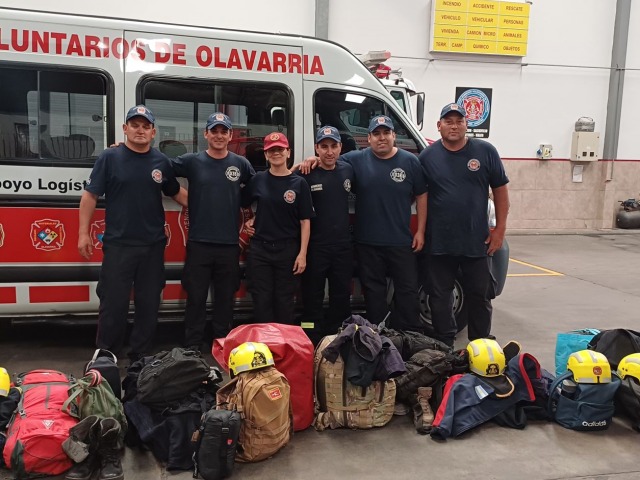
(459,308)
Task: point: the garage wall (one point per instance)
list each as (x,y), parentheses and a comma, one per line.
(537,99)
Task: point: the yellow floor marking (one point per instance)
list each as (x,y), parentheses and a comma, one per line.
(547,272)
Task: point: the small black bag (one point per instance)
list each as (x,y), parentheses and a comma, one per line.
(217,440)
(171,375)
(107,364)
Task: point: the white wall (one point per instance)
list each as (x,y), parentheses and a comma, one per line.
(286,16)
(565,74)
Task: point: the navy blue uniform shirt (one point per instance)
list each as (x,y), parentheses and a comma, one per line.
(385,191)
(458,184)
(282,203)
(214,194)
(330,191)
(133,184)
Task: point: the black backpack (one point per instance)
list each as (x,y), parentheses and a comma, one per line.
(216,443)
(170,375)
(616,344)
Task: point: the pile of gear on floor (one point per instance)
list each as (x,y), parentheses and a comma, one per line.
(173,404)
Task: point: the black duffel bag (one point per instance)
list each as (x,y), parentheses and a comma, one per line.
(170,375)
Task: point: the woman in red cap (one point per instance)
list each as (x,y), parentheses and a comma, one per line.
(278,248)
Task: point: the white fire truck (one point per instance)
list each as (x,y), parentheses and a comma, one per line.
(66,82)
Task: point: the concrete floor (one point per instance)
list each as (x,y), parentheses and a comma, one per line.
(557,283)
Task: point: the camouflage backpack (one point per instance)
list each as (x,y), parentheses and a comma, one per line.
(339,403)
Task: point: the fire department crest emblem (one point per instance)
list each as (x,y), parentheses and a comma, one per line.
(97,233)
(156,175)
(289,196)
(473,165)
(47,235)
(220,117)
(232,173)
(274,137)
(347,185)
(398,175)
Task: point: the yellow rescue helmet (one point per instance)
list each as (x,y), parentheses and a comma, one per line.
(588,366)
(486,357)
(629,366)
(5,382)
(249,356)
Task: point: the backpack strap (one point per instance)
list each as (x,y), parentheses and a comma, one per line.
(552,389)
(79,386)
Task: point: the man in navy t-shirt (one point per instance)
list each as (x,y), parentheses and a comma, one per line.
(459,172)
(387,180)
(132,177)
(216,178)
(330,253)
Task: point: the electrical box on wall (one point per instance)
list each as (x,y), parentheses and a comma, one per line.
(584,146)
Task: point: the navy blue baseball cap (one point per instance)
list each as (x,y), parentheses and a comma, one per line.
(453,107)
(140,111)
(380,121)
(218,118)
(328,132)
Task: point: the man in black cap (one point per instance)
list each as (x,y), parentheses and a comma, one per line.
(459,172)
(216,177)
(330,252)
(132,177)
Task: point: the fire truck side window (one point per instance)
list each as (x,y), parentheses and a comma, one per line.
(183,106)
(350,113)
(52,115)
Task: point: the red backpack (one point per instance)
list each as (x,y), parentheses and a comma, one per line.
(39,426)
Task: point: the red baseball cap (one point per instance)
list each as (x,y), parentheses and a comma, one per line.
(275,139)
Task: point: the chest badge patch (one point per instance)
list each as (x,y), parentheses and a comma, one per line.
(347,185)
(156,175)
(289,196)
(473,165)
(398,175)
(232,173)
(316,188)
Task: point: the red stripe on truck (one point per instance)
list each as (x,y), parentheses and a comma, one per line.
(60,294)
(7,294)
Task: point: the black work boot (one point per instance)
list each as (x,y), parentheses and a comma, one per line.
(82,447)
(109,450)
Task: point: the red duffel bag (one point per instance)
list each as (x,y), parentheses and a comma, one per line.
(293,354)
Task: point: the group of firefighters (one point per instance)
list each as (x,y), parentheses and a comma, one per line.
(300,229)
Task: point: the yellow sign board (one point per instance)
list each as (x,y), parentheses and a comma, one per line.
(481,27)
